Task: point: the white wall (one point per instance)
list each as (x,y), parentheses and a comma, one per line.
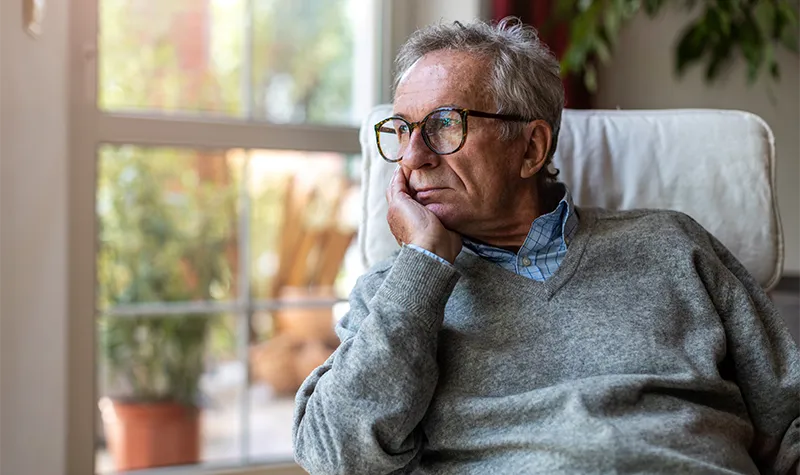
(403,17)
(33,246)
(428,11)
(641,76)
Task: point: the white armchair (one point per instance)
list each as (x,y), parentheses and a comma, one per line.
(714,165)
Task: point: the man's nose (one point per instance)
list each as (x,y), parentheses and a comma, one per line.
(417,153)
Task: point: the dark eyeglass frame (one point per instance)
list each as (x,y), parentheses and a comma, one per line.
(465,113)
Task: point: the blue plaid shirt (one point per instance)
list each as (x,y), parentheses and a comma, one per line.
(543,249)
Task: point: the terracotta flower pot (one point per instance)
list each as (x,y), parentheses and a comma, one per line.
(151,434)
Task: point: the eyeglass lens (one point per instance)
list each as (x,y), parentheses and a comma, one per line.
(443,130)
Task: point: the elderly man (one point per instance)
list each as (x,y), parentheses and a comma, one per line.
(516,333)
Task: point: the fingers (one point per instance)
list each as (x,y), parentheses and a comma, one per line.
(388,192)
(397,185)
(400,215)
(401,181)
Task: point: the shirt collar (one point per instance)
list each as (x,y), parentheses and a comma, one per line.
(560,223)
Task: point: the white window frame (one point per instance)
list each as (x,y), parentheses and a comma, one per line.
(89,128)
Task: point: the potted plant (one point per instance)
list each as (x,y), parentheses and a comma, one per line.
(717,33)
(166,220)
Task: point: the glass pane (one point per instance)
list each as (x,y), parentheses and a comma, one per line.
(291,344)
(170,391)
(304,217)
(169,232)
(172,55)
(304,61)
(168,223)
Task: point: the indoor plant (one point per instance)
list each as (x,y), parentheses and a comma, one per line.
(720,31)
(166,219)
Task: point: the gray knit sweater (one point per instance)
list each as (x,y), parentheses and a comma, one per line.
(651,350)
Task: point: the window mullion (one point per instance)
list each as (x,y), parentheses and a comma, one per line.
(245,294)
(206,307)
(224,134)
(246,316)
(247,62)
(167,309)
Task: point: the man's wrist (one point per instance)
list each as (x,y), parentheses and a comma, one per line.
(435,249)
(430,254)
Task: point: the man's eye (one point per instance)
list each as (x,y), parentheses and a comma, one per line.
(443,123)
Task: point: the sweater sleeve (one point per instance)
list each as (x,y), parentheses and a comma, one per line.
(359,411)
(765,358)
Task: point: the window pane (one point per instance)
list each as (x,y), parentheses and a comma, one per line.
(172,55)
(171,241)
(281,359)
(305,61)
(168,225)
(170,391)
(304,217)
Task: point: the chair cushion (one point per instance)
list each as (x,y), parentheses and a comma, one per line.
(717,166)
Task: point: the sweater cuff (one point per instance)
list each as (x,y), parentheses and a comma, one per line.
(428,253)
(420,283)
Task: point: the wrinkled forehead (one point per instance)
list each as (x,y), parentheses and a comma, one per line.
(444,78)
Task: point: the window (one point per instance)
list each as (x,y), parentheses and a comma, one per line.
(224,154)
(306,61)
(211,263)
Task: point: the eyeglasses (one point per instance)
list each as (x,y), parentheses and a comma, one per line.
(444,131)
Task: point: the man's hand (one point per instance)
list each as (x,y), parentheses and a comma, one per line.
(412,223)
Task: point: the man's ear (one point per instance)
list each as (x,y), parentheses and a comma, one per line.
(537,148)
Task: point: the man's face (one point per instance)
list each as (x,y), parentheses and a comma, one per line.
(475,187)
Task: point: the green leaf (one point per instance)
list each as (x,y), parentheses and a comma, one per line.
(584,5)
(789,11)
(749,32)
(720,57)
(572,61)
(754,54)
(564,9)
(729,6)
(775,70)
(767,18)
(718,22)
(612,22)
(630,8)
(786,27)
(602,50)
(691,46)
(581,27)
(590,78)
(752,72)
(751,43)
(651,7)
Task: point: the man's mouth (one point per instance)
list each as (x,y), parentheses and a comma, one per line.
(424,194)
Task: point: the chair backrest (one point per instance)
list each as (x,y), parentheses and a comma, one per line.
(717,166)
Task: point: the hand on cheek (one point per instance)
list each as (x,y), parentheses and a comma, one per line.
(412,223)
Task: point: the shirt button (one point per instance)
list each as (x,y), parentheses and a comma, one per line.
(525,261)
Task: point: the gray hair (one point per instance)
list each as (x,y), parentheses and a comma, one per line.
(525,78)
